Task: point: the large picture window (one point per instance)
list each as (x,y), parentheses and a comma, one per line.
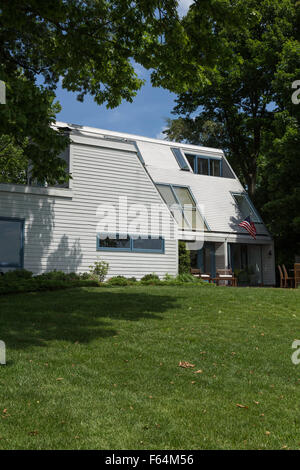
(134,243)
(11,243)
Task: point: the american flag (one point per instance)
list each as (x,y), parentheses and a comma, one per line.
(249,226)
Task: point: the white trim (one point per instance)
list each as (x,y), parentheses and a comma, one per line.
(101,142)
(18,188)
(222,237)
(104,133)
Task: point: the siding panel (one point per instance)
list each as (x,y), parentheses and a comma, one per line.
(61,233)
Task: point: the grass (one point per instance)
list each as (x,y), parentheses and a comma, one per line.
(98,368)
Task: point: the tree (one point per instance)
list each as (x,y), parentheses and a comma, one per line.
(233,105)
(89,46)
(184,260)
(278,195)
(13,163)
(244,107)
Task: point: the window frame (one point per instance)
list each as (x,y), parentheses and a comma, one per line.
(253,209)
(182,155)
(20,265)
(180,206)
(131,248)
(197,157)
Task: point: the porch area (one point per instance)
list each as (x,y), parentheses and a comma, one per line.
(250,263)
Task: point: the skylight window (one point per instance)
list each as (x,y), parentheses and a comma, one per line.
(180,159)
(245,207)
(182,205)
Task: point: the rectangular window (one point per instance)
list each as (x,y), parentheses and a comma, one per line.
(182,205)
(205,165)
(114,242)
(191,160)
(148,244)
(180,159)
(246,208)
(215,167)
(11,243)
(202,166)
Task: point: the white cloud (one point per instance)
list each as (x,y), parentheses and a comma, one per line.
(183,6)
(160,134)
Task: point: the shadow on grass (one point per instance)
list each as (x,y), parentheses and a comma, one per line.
(74,315)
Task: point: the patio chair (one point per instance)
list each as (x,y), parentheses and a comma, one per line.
(297,274)
(288,279)
(197,273)
(282,280)
(227,275)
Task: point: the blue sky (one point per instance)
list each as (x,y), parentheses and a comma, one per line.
(145,116)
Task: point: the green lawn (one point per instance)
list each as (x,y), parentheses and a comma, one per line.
(98,368)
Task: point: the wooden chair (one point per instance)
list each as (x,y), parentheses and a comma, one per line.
(226,276)
(282,280)
(297,274)
(197,273)
(288,279)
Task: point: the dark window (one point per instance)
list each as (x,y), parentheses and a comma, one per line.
(205,165)
(191,160)
(130,243)
(11,243)
(115,242)
(147,244)
(202,166)
(215,167)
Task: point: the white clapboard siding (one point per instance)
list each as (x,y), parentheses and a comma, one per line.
(60,233)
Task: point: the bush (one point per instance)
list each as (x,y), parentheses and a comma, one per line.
(58,276)
(38,283)
(84,276)
(17,274)
(99,270)
(150,279)
(118,281)
(185,277)
(184,259)
(168,277)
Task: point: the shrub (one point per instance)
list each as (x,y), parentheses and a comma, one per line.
(184,259)
(58,276)
(150,279)
(168,277)
(17,274)
(84,276)
(99,270)
(39,283)
(118,281)
(186,277)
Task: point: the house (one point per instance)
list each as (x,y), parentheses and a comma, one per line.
(129,201)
